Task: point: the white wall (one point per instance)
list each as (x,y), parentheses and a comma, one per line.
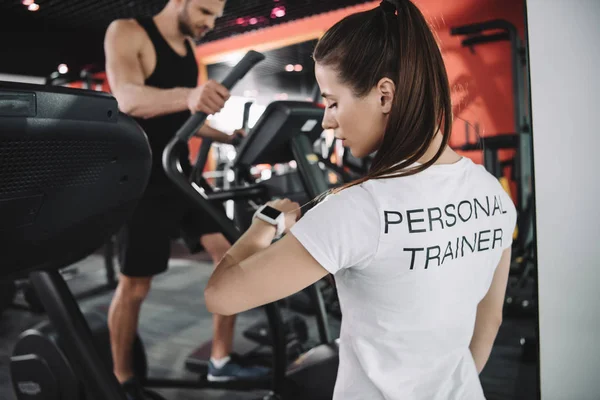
(565,89)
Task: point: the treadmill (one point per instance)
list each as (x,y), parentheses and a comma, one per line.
(285,132)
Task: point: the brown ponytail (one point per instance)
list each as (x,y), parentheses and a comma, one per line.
(367,46)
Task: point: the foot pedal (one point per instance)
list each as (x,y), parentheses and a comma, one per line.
(295,329)
(197,361)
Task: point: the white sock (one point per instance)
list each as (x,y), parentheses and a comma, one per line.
(221,362)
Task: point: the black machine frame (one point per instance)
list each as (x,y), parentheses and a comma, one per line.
(40,253)
(34,302)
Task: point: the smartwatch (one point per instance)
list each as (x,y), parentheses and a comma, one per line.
(272,216)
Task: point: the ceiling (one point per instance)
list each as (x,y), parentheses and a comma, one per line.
(72,31)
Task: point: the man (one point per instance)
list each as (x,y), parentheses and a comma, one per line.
(152,72)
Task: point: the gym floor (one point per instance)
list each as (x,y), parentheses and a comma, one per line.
(174,322)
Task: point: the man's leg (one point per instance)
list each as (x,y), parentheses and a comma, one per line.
(144,247)
(216,245)
(123,317)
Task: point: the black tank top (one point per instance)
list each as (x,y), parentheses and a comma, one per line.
(172,70)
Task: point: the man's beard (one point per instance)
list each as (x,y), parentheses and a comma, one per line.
(186,29)
(184,26)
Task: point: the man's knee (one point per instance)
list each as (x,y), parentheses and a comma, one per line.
(216,245)
(134,288)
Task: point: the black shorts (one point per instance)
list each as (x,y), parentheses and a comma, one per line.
(144,242)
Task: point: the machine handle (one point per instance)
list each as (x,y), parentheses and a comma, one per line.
(191,126)
(246,117)
(178,145)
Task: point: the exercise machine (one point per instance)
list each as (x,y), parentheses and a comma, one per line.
(283,133)
(73,170)
(60,208)
(8,290)
(257,348)
(32,302)
(286,132)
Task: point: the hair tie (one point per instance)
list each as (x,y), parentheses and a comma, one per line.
(388,7)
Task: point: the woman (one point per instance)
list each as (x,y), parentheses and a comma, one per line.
(420,247)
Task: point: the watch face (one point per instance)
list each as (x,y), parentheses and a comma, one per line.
(271,212)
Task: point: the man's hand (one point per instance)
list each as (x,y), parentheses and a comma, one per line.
(236,137)
(208,98)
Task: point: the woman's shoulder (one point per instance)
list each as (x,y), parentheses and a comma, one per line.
(358,192)
(359,198)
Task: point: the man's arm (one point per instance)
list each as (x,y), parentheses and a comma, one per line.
(211,133)
(489,314)
(122,46)
(216,135)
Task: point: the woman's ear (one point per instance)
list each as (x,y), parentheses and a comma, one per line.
(386,89)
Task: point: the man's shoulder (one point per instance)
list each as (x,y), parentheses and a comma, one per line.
(126,33)
(126,26)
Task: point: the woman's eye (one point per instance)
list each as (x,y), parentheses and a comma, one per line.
(333,105)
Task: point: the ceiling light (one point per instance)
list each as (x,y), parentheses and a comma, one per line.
(289,68)
(278,12)
(33,7)
(63,69)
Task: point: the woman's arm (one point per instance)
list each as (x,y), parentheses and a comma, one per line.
(254,272)
(489,314)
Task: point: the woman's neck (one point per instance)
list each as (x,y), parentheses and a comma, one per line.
(448,156)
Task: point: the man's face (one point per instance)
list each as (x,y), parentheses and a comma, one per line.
(197,17)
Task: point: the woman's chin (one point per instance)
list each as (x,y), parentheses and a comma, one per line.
(356,153)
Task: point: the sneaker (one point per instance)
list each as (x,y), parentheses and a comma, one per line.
(234,371)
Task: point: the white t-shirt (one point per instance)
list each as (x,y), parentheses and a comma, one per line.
(412,258)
